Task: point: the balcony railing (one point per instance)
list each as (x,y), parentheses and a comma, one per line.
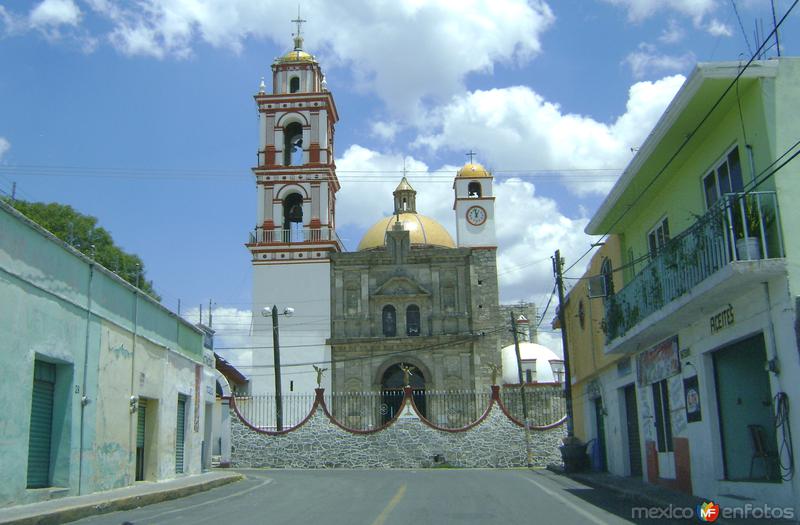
(260,235)
(738,227)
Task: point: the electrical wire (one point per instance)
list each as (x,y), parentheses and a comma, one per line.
(689,136)
(786,448)
(469,338)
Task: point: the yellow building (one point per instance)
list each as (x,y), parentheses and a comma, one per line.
(584,318)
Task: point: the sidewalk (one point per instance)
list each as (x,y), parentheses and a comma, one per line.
(143,493)
(636,489)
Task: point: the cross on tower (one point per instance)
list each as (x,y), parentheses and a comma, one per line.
(299,21)
(470,154)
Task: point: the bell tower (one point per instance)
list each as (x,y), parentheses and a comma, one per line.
(474,206)
(295,227)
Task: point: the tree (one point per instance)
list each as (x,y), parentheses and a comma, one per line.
(82,233)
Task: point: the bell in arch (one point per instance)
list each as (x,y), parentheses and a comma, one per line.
(295,213)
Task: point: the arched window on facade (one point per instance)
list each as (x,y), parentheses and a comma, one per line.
(293,218)
(474,190)
(389,319)
(293,144)
(608,277)
(294,84)
(412,321)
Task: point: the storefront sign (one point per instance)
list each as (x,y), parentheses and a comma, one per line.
(722,320)
(660,362)
(691,390)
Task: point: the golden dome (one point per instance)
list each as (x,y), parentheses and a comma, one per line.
(296,55)
(423,230)
(473,170)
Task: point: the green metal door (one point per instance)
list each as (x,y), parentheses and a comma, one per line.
(179,435)
(44,380)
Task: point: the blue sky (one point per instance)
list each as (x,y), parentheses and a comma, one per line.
(141,114)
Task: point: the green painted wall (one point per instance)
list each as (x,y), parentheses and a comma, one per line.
(770,124)
(45,292)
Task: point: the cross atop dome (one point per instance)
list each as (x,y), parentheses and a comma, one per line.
(298,37)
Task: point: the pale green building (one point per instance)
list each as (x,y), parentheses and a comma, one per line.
(102,385)
(705,319)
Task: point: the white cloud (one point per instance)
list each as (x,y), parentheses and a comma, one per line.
(51,13)
(529,227)
(385,130)
(405,51)
(717,28)
(232,338)
(5,145)
(646,60)
(673,33)
(519,130)
(639,10)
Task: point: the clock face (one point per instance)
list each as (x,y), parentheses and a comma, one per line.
(476,215)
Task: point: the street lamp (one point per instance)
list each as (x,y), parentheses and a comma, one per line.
(266,312)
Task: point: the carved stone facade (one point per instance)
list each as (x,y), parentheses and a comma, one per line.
(435,308)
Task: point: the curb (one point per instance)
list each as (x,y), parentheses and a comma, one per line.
(79,511)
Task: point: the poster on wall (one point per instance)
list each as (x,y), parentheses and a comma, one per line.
(691,390)
(660,362)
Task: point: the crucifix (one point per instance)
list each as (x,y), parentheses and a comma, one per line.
(470,154)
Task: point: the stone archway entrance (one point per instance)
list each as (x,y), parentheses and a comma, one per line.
(392,390)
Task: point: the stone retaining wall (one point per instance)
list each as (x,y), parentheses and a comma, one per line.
(409,441)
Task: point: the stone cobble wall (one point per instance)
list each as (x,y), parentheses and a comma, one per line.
(407,443)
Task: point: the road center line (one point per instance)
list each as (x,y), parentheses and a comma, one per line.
(390,506)
(583,512)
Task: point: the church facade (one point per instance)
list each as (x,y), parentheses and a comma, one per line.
(408,296)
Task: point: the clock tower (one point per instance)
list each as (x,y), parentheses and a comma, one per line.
(474,207)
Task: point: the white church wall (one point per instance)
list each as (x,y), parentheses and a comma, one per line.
(306,288)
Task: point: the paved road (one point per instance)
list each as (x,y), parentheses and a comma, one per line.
(389,497)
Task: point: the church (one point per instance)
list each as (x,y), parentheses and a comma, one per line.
(410,295)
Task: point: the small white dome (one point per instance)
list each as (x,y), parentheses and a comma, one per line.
(529,352)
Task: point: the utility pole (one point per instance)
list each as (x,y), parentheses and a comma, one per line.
(558,263)
(522,391)
(14,190)
(277,356)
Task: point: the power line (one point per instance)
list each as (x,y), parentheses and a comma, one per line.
(471,337)
(688,137)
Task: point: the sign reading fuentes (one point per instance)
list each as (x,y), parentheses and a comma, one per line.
(722,319)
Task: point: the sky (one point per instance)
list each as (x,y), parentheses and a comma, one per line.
(141,114)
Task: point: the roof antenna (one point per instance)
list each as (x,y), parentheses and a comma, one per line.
(744,33)
(775,28)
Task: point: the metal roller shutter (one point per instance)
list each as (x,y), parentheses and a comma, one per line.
(179,435)
(44,379)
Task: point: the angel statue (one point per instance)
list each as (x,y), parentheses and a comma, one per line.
(406,373)
(319,371)
(494,368)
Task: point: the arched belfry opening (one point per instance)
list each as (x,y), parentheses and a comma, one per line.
(294,85)
(293,144)
(474,190)
(392,384)
(293,218)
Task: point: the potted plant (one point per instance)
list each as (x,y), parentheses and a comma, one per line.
(749,219)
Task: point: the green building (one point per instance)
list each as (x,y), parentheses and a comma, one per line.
(103,386)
